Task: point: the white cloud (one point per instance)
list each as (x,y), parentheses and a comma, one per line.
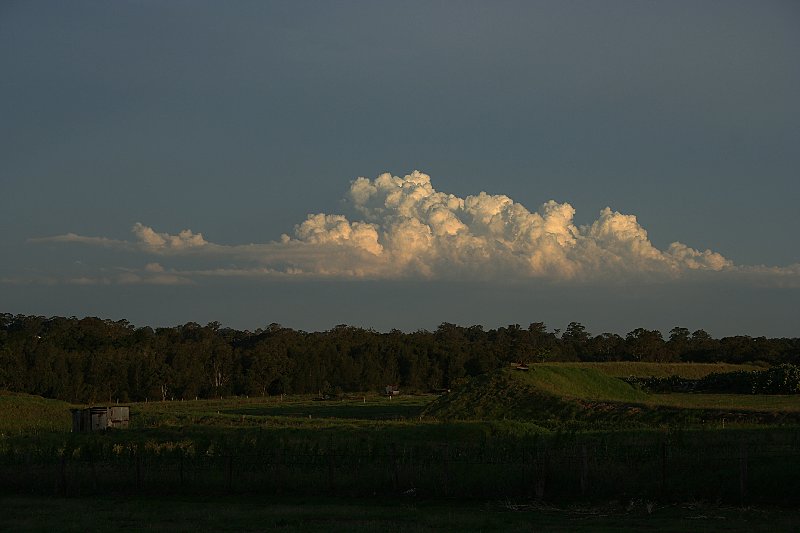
(160,242)
(337,230)
(147,239)
(408,229)
(414,230)
(153,267)
(80,239)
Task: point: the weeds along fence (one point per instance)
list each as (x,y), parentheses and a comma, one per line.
(735,472)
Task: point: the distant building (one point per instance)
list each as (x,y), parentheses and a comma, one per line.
(100,418)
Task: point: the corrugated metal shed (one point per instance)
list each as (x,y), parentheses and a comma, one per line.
(100,418)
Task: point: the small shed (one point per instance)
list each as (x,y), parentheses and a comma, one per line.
(100,418)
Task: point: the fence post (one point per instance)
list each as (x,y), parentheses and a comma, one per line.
(584,470)
(541,471)
(229,480)
(394,465)
(138,470)
(663,468)
(445,462)
(92,472)
(62,477)
(742,472)
(330,469)
(280,468)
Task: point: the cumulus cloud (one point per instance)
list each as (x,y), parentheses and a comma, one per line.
(147,239)
(337,230)
(80,239)
(404,228)
(155,241)
(412,229)
(153,267)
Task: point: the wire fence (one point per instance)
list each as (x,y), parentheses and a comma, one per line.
(737,473)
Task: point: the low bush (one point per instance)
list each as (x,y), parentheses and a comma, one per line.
(781,379)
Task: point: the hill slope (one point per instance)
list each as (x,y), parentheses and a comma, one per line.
(544,392)
(624,369)
(558,395)
(25,413)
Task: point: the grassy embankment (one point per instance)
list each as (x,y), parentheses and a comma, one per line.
(624,369)
(582,396)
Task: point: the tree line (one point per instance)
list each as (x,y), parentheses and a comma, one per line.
(92,359)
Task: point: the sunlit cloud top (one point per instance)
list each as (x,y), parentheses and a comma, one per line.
(404,228)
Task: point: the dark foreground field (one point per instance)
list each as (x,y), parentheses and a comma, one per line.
(249,513)
(559,448)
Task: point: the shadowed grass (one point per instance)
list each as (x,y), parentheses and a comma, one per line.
(545,392)
(24,413)
(366,515)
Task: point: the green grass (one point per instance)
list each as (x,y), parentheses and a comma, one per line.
(558,395)
(577,382)
(545,392)
(768,403)
(580,397)
(209,447)
(624,369)
(355,407)
(27,514)
(24,414)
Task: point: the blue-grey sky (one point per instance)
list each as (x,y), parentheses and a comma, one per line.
(237,120)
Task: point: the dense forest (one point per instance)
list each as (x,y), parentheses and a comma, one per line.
(92,359)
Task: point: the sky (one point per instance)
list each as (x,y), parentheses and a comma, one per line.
(621,164)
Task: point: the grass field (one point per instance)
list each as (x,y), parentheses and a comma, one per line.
(559,434)
(552,394)
(547,392)
(731,402)
(225,513)
(25,414)
(246,411)
(624,369)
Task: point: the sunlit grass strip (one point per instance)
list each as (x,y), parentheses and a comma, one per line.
(624,369)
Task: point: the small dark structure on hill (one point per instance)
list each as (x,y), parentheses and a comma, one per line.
(100,418)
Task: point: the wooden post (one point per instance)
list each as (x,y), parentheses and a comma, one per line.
(584,470)
(62,489)
(330,470)
(393,463)
(229,480)
(663,468)
(279,469)
(541,472)
(138,471)
(742,473)
(445,462)
(93,471)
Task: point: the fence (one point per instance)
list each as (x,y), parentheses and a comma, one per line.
(735,473)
